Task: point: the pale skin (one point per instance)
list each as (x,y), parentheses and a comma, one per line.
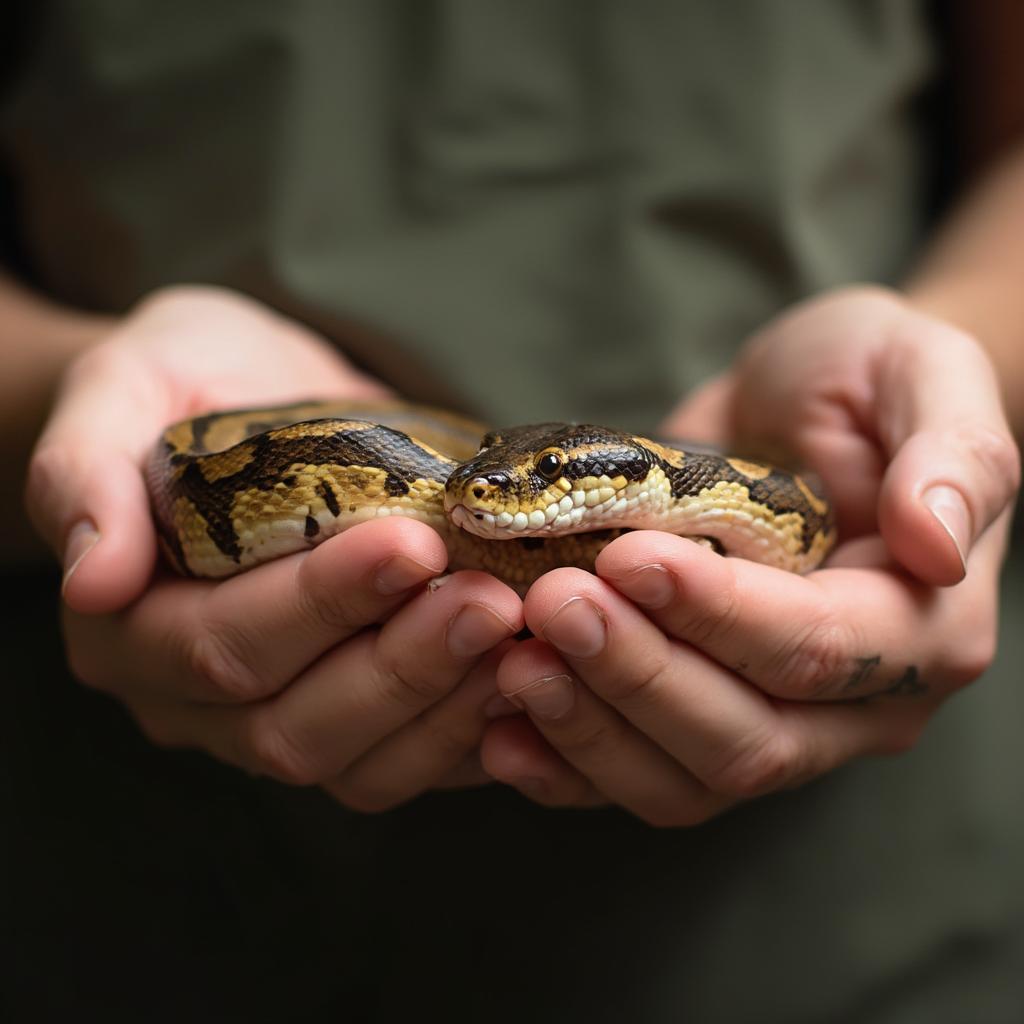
(337,668)
(677,682)
(674,683)
(334,667)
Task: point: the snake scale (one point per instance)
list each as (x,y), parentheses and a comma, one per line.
(231,490)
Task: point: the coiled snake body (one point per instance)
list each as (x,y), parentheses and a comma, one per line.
(232,490)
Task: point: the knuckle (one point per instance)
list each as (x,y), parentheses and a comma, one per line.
(46,469)
(969,641)
(326,609)
(451,738)
(50,469)
(104,362)
(276,754)
(715,616)
(413,690)
(810,661)
(597,740)
(214,657)
(772,763)
(995,452)
(637,689)
(972,659)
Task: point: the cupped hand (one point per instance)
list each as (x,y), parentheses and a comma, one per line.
(677,682)
(183,351)
(339,666)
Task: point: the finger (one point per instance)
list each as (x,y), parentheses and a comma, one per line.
(954,466)
(605,748)
(833,635)
(515,753)
(467,775)
(737,741)
(85,494)
(435,748)
(361,691)
(244,638)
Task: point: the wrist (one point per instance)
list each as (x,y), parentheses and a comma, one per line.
(38,339)
(981,308)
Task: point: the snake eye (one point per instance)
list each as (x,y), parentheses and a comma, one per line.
(549,466)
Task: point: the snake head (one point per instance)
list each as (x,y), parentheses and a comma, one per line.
(548,479)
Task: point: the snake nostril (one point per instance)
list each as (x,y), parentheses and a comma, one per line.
(479,487)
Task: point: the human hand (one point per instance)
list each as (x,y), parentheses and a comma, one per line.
(741,679)
(333,666)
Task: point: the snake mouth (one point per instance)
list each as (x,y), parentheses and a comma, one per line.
(558,517)
(500,526)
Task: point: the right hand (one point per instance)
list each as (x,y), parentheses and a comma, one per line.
(334,666)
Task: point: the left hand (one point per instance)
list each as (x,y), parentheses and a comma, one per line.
(676,682)
(335,667)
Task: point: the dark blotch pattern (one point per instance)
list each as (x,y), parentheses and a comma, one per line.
(330,498)
(778,490)
(628,460)
(590,451)
(214,503)
(271,462)
(530,543)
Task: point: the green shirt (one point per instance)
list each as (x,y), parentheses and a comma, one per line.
(531,210)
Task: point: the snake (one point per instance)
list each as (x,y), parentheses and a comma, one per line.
(233,489)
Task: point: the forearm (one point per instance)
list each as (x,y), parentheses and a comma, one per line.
(37,341)
(973,274)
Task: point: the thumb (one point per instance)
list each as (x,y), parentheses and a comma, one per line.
(954,467)
(86,494)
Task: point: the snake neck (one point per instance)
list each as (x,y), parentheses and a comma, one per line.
(519,562)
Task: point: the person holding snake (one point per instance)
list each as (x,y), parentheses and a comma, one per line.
(274,553)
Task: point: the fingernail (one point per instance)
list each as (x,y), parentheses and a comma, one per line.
(577,628)
(500,707)
(650,586)
(82,538)
(548,698)
(400,573)
(475,629)
(950,509)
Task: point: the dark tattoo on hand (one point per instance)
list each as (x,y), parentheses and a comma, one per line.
(908,685)
(862,672)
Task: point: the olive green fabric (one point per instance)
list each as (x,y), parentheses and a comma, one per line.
(550,210)
(529,210)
